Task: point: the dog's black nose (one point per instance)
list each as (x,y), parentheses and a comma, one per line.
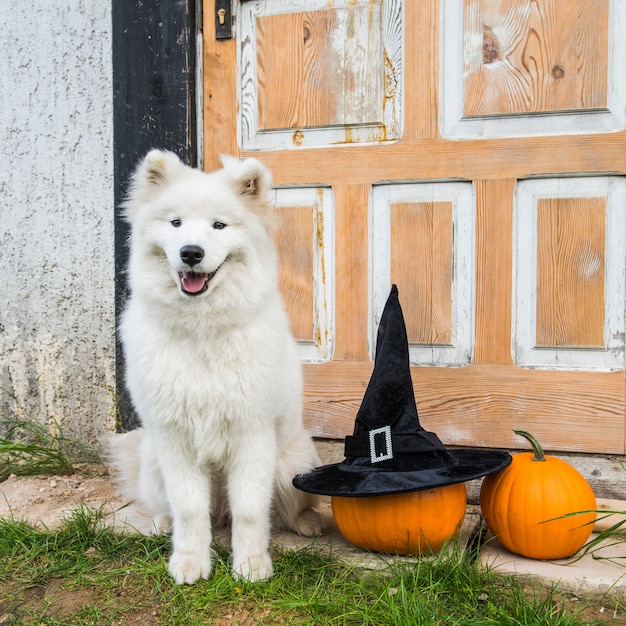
(191,255)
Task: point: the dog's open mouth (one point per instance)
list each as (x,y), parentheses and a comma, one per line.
(195,283)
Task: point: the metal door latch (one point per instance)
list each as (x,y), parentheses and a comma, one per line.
(223,20)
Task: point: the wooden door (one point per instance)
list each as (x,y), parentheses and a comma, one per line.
(472,152)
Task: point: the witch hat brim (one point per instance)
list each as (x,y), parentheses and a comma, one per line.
(389,451)
(343,479)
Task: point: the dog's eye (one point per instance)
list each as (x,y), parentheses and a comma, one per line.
(219,225)
(176,223)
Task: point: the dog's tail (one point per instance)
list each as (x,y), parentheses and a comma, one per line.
(293,506)
(137,475)
(123,454)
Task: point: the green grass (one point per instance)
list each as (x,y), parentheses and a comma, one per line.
(29,448)
(613,535)
(87,573)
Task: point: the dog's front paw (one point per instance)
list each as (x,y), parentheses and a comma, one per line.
(308,523)
(253,568)
(186,569)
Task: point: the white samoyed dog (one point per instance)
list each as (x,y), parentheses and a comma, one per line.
(211,367)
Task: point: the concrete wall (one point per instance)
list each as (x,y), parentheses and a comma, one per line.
(57,323)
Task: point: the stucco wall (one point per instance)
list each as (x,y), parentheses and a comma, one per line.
(56,200)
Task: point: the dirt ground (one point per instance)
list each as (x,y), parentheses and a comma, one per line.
(46,500)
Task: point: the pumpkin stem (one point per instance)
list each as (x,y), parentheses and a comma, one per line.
(537,449)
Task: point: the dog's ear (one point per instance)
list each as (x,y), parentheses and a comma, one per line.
(157,169)
(249,178)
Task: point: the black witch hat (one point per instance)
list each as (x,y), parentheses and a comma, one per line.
(389,451)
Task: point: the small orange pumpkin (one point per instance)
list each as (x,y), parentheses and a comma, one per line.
(417,522)
(524,504)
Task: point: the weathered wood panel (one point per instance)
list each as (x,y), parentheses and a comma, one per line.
(570,270)
(479,159)
(408,251)
(532,68)
(571,243)
(351,280)
(319,68)
(494,261)
(307,266)
(535,56)
(421,265)
(295,253)
(317,73)
(480,405)
(421,118)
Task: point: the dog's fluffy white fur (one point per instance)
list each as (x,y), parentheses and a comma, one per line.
(211,367)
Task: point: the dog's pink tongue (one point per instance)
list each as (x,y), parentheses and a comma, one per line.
(193,282)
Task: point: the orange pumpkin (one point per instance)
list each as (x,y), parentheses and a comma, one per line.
(524,504)
(418,522)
